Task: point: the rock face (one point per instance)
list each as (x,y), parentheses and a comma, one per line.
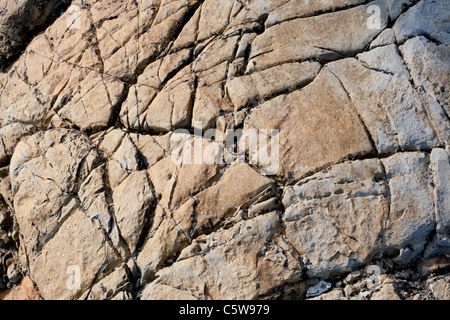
(118,181)
(20,20)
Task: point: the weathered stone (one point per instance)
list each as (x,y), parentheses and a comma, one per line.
(115,182)
(211,208)
(427,17)
(302,39)
(393,120)
(441,288)
(73,259)
(26,290)
(5,189)
(140,31)
(46,170)
(336,218)
(385,59)
(258,86)
(151,148)
(392,289)
(327,131)
(353,276)
(10,136)
(336,294)
(164,292)
(110,286)
(209,102)
(132,201)
(441,166)
(231,264)
(304,8)
(123,161)
(363,217)
(411,217)
(385,38)
(60,73)
(429,67)
(19,20)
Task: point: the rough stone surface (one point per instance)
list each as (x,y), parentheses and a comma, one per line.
(314,133)
(429,67)
(428,17)
(242,259)
(20,20)
(128,171)
(26,290)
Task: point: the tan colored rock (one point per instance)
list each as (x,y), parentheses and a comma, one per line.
(344,216)
(10,136)
(180,176)
(26,290)
(302,39)
(110,286)
(393,120)
(243,262)
(141,32)
(210,102)
(168,109)
(392,289)
(258,86)
(336,294)
(213,21)
(85,110)
(24,107)
(164,292)
(73,259)
(210,209)
(6,198)
(140,96)
(326,130)
(95,200)
(215,53)
(304,8)
(123,295)
(219,202)
(104,112)
(151,148)
(19,20)
(173,63)
(132,201)
(50,166)
(109,141)
(123,161)
(61,73)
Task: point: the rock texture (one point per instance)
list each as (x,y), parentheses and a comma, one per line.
(20,20)
(104,109)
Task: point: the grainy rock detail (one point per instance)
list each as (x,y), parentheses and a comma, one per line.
(104,106)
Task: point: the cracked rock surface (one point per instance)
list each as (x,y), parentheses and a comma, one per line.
(101,100)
